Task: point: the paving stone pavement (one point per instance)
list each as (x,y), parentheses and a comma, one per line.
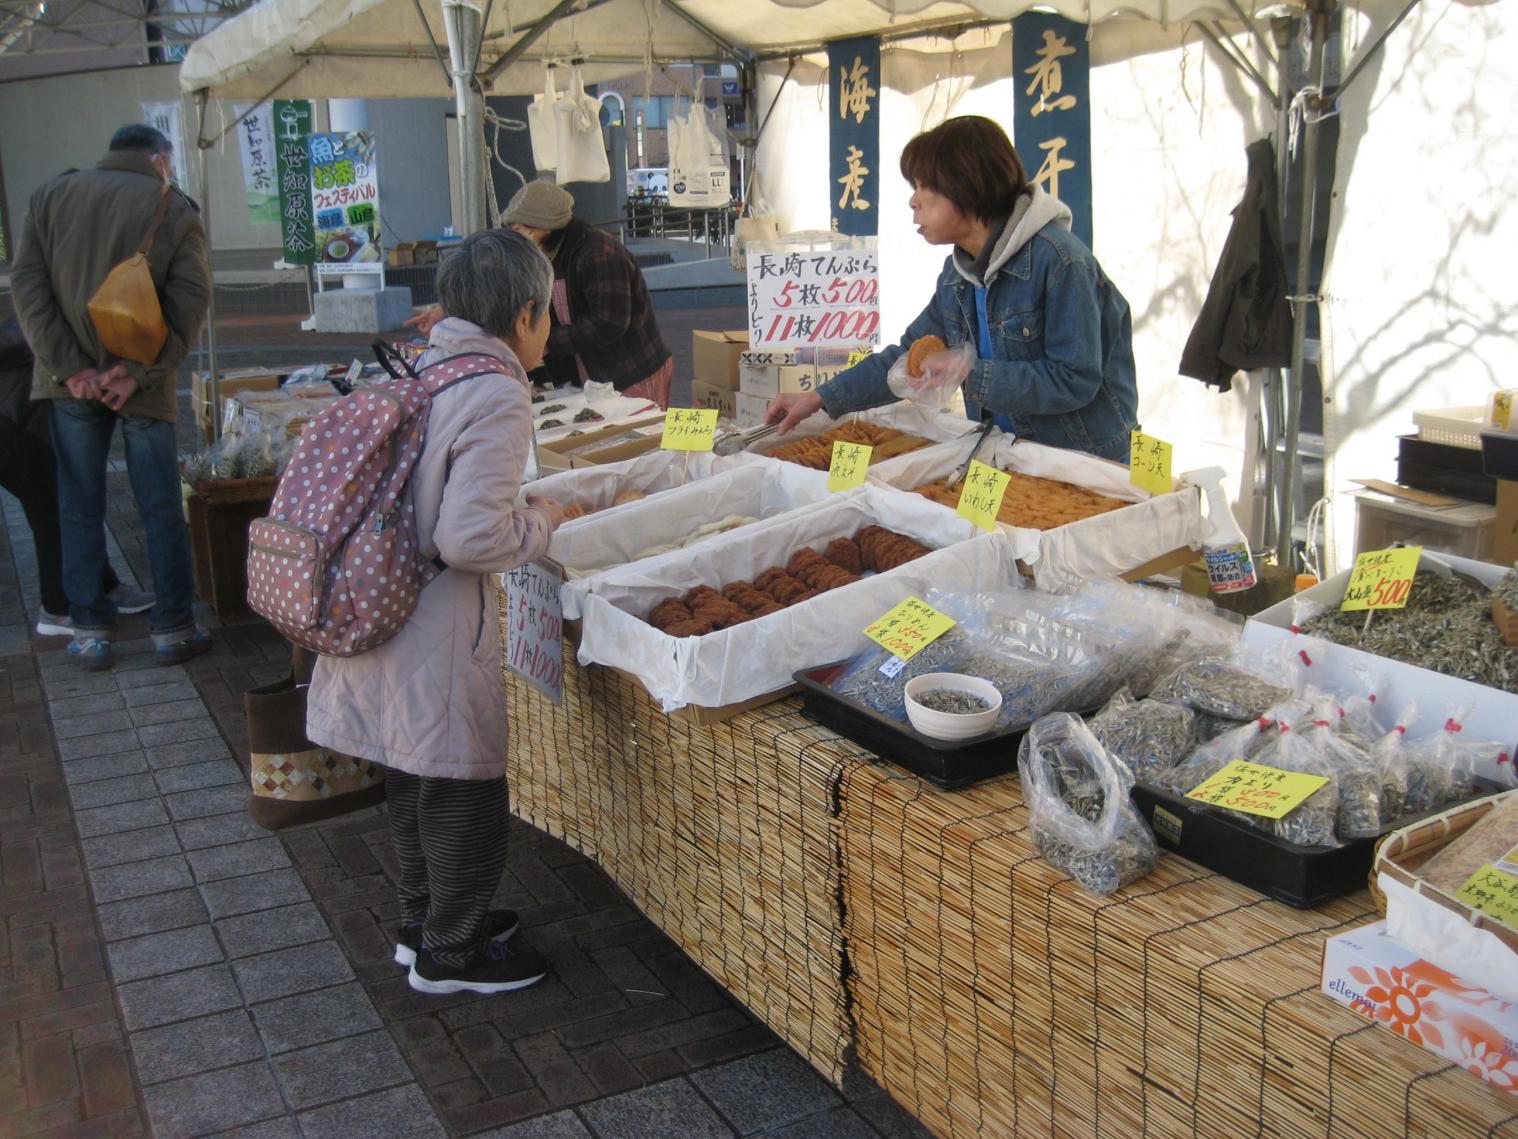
(169,968)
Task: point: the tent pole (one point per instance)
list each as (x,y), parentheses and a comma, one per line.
(464,26)
(1318,11)
(1280,33)
(202,99)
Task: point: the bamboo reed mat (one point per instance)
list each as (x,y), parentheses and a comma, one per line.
(722,835)
(993,997)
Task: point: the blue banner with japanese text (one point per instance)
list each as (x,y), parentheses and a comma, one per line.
(1051,67)
(854,135)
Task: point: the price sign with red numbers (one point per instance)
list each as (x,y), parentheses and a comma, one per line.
(1257,789)
(909,628)
(1382,579)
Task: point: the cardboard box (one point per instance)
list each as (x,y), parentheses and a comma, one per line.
(403,253)
(705,394)
(559,455)
(231,382)
(749,409)
(715,357)
(616,452)
(1381,980)
(1493,715)
(1505,538)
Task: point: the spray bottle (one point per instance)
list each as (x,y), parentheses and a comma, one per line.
(1224,548)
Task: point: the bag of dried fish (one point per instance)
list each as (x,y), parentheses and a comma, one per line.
(1082,819)
(1358,775)
(1219,687)
(1311,823)
(1440,771)
(1215,754)
(1395,763)
(1149,736)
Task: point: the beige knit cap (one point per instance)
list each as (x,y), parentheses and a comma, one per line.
(541,205)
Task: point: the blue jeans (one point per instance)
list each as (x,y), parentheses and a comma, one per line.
(82,432)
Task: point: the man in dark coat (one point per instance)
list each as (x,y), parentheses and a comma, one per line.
(80,225)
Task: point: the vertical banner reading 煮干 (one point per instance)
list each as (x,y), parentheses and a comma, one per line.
(1051,70)
(854,135)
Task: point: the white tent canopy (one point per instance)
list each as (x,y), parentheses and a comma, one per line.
(383,48)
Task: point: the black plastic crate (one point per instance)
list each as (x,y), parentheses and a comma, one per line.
(1300,876)
(949,764)
(1499,455)
(1444,469)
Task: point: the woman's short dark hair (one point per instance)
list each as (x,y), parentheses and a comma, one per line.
(970,161)
(491,277)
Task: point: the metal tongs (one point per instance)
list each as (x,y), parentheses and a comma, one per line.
(731,442)
(960,471)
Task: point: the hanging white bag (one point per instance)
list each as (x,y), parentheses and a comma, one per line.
(698,174)
(543,126)
(582,149)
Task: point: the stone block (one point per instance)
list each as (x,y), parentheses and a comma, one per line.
(314,1018)
(362,310)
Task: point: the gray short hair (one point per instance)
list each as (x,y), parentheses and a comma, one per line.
(491,277)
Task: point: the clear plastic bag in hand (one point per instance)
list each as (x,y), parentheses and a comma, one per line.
(942,375)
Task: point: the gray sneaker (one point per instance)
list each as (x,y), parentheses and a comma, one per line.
(54,624)
(129,601)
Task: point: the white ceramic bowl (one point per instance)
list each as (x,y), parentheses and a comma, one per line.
(952,725)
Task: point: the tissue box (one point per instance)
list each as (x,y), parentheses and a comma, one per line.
(1385,982)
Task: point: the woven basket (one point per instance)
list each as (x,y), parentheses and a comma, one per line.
(223,491)
(1401,853)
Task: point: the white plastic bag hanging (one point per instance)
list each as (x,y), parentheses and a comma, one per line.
(698,174)
(543,126)
(582,150)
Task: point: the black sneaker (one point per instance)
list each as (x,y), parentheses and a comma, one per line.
(497,968)
(499,925)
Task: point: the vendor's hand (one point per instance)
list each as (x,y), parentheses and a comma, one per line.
(791,408)
(424,321)
(116,387)
(549,506)
(84,384)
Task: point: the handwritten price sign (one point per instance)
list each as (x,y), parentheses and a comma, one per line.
(689,429)
(980,497)
(1494,892)
(1257,790)
(535,627)
(1382,579)
(851,462)
(821,298)
(1149,464)
(909,628)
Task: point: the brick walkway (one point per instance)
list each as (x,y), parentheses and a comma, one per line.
(166,967)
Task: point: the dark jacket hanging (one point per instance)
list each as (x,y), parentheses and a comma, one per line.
(1245,322)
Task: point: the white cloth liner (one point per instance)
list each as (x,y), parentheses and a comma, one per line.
(759,656)
(596,487)
(1105,545)
(1440,935)
(752,489)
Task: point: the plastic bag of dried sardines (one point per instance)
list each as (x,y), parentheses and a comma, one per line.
(1082,819)
(1149,736)
(1295,745)
(1035,663)
(1348,756)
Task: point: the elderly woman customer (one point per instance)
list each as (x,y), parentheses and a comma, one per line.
(428,703)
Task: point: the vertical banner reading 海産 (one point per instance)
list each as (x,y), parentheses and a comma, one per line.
(292,127)
(854,135)
(1051,72)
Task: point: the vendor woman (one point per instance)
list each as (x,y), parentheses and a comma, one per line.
(1053,336)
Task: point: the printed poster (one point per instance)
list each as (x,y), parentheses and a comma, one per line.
(345,202)
(255,139)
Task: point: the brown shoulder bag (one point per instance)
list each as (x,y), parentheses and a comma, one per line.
(125,309)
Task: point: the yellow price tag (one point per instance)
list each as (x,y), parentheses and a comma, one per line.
(1382,579)
(857,355)
(1494,892)
(909,628)
(1149,463)
(851,462)
(980,497)
(689,429)
(1257,790)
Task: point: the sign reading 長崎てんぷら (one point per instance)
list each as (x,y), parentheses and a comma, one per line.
(823,297)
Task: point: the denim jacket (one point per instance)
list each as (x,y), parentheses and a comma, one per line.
(1061,367)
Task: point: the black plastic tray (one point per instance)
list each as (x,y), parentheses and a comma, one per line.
(949,764)
(1300,876)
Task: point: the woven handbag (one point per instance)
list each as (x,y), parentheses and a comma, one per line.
(125,309)
(293,780)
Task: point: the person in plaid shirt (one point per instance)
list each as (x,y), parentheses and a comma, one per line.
(603,319)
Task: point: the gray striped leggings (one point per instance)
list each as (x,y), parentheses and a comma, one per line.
(450,841)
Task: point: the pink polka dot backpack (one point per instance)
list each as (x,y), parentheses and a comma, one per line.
(334,566)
